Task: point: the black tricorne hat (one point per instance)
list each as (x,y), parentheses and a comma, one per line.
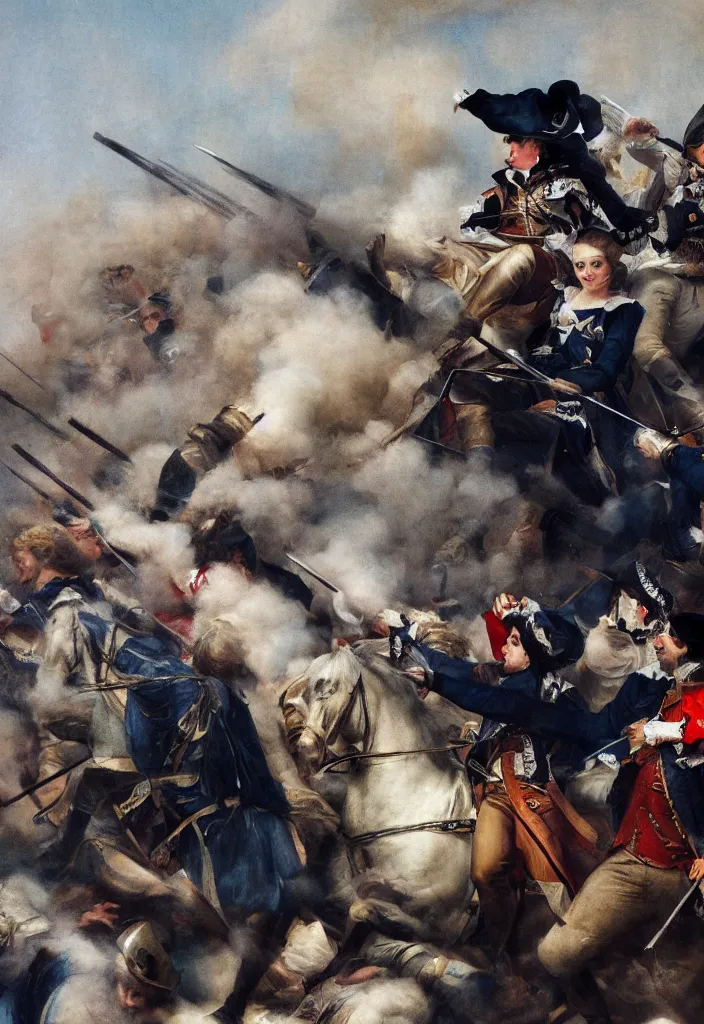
(694,132)
(532,113)
(689,628)
(550,640)
(636,580)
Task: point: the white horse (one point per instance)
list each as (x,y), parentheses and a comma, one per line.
(408,812)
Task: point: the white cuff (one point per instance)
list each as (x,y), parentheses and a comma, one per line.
(663,732)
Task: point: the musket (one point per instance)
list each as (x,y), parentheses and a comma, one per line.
(98,439)
(27,375)
(80,498)
(182,183)
(27,481)
(659,934)
(35,415)
(45,782)
(339,602)
(305,209)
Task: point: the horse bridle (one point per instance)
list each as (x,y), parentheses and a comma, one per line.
(449,825)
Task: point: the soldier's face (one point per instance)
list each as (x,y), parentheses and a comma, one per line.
(591,267)
(150,318)
(514,653)
(522,156)
(696,153)
(669,650)
(26,566)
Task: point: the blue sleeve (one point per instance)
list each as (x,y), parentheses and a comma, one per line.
(620,329)
(452,668)
(686,465)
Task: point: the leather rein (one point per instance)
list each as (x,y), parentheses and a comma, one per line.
(449,825)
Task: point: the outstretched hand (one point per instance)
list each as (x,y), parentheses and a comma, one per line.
(504,604)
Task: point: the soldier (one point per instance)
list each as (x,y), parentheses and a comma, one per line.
(660,843)
(511,237)
(670,288)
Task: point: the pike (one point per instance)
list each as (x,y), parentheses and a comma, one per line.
(98,439)
(273,191)
(11,400)
(659,934)
(27,481)
(45,782)
(339,601)
(27,375)
(76,495)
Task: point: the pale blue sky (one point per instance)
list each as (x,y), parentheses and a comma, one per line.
(153,74)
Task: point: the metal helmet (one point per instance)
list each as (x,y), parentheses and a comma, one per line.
(146,959)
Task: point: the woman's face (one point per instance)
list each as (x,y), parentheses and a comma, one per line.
(591,267)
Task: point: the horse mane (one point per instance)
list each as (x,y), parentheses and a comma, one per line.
(340,666)
(395,681)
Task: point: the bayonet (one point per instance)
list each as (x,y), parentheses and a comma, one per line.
(11,400)
(76,495)
(273,191)
(98,439)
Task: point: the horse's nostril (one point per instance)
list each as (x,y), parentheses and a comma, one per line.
(309,746)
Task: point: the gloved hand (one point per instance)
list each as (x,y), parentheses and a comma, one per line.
(401,639)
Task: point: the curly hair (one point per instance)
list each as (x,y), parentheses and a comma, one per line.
(52,546)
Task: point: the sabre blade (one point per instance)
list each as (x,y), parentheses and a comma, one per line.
(659,934)
(313,573)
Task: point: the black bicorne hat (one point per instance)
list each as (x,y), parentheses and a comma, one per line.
(545,116)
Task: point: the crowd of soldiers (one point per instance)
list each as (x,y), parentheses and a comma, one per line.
(184,856)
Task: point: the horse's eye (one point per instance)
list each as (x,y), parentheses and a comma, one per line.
(322,687)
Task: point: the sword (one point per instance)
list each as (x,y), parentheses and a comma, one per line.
(96,438)
(659,934)
(305,209)
(27,375)
(339,601)
(26,480)
(601,750)
(518,361)
(35,415)
(45,782)
(80,498)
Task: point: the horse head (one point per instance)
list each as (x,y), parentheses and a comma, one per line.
(334,688)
